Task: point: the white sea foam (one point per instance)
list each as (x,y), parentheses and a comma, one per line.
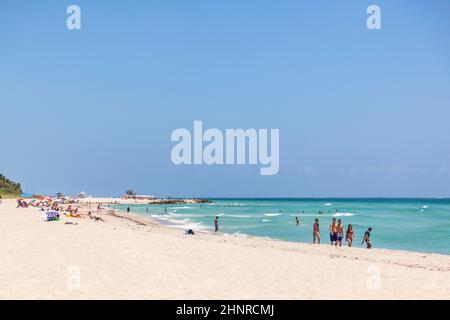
(182,208)
(185,224)
(345,214)
(328,204)
(187,215)
(305,215)
(272,214)
(236,234)
(239,234)
(425,207)
(266,220)
(237,215)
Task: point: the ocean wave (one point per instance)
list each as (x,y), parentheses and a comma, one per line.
(272,214)
(266,220)
(182,224)
(235,215)
(328,204)
(308,214)
(188,215)
(345,214)
(183,208)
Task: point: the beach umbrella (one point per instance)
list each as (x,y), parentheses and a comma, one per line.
(26,195)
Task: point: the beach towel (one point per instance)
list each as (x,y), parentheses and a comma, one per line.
(50,216)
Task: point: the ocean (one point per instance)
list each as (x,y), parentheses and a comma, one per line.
(407,224)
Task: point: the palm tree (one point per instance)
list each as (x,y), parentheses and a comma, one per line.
(130,193)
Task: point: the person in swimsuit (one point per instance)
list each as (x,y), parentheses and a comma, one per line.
(349,235)
(216,224)
(297,221)
(316,231)
(340,231)
(366,238)
(333,232)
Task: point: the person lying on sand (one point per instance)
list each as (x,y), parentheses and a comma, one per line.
(94,217)
(73,215)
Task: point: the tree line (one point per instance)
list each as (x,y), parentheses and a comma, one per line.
(8,186)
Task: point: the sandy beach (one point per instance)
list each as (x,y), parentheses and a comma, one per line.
(130,257)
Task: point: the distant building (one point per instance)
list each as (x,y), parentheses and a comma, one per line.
(82,195)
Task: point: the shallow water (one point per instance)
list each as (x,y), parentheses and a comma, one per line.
(407,224)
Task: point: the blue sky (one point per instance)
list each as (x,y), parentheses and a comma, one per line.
(361,113)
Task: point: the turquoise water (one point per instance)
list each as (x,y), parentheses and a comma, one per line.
(407,224)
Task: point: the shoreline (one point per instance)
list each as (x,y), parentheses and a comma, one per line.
(210,231)
(127,256)
(150,221)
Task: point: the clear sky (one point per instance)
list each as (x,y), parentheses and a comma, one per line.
(360,112)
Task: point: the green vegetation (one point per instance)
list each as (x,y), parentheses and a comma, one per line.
(9,188)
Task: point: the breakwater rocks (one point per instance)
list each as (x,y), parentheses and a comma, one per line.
(179,201)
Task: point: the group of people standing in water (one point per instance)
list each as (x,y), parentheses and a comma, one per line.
(337,233)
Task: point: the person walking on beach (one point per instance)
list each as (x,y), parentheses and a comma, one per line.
(316,231)
(340,231)
(333,232)
(349,235)
(216,224)
(366,238)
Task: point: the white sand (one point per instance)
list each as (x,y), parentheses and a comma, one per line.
(119,258)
